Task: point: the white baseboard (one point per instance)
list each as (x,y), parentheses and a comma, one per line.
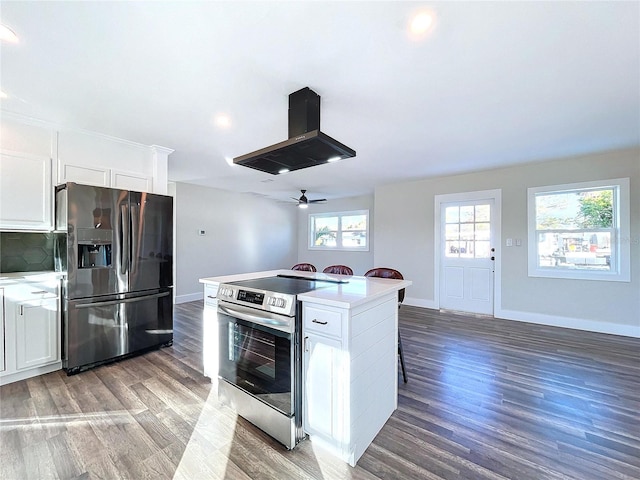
(420,302)
(569,322)
(191,297)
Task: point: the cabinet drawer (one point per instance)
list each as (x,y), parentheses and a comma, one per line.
(325,322)
(32,291)
(210,293)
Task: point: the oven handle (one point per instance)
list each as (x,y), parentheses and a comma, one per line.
(280,325)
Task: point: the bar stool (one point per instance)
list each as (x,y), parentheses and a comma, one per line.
(304,267)
(338,269)
(395,274)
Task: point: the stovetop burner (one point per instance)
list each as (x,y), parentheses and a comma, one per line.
(281,284)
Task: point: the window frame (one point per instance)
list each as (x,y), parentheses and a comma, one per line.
(620,259)
(311,233)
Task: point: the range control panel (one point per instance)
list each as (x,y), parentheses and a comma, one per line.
(270,301)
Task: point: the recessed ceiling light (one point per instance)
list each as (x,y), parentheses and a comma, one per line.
(283,170)
(223,121)
(333,159)
(8,35)
(421,23)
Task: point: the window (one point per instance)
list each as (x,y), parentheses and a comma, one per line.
(339,231)
(580,231)
(468,231)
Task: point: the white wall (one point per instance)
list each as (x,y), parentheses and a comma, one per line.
(359,262)
(244,233)
(404,238)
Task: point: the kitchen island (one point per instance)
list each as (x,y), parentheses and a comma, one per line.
(349,360)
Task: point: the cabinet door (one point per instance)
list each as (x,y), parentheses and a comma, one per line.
(86,175)
(131,181)
(37,338)
(323,387)
(25,192)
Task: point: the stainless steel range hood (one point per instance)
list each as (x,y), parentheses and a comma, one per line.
(306,147)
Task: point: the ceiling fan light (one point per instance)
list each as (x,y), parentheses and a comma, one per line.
(303,205)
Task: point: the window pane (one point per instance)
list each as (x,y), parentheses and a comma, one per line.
(575,250)
(325,239)
(452,231)
(575,210)
(329,223)
(354,239)
(466,213)
(466,231)
(354,222)
(483,213)
(483,231)
(483,249)
(452,249)
(466,249)
(451,214)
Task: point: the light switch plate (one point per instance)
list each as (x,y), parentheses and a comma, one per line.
(509,242)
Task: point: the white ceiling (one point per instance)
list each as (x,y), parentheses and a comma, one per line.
(493,84)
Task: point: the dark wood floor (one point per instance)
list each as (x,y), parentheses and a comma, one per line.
(486,399)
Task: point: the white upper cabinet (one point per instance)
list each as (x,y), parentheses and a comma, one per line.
(25,192)
(37,156)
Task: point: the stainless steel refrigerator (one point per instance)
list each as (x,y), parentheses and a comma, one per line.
(116,247)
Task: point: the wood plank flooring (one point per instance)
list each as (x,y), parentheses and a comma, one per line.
(486,399)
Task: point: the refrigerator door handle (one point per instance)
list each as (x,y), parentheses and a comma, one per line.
(136,217)
(118,302)
(125,239)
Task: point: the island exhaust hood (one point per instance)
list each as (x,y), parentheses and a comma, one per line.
(307,145)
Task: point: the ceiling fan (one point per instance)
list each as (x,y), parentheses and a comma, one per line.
(303,201)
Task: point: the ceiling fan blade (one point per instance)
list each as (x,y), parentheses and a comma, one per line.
(296,199)
(319,200)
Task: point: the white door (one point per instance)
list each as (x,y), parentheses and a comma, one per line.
(467,255)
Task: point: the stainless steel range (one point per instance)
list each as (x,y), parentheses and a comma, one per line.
(260,365)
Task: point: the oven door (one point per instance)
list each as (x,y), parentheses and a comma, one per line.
(256,353)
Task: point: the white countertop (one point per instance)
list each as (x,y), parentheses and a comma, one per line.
(356,291)
(19,277)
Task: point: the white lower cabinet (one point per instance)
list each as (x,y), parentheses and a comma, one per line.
(349,373)
(37,338)
(323,358)
(32,343)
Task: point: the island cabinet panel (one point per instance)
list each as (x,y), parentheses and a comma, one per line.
(210,335)
(349,373)
(2,358)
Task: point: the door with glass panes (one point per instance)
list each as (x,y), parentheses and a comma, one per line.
(467,256)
